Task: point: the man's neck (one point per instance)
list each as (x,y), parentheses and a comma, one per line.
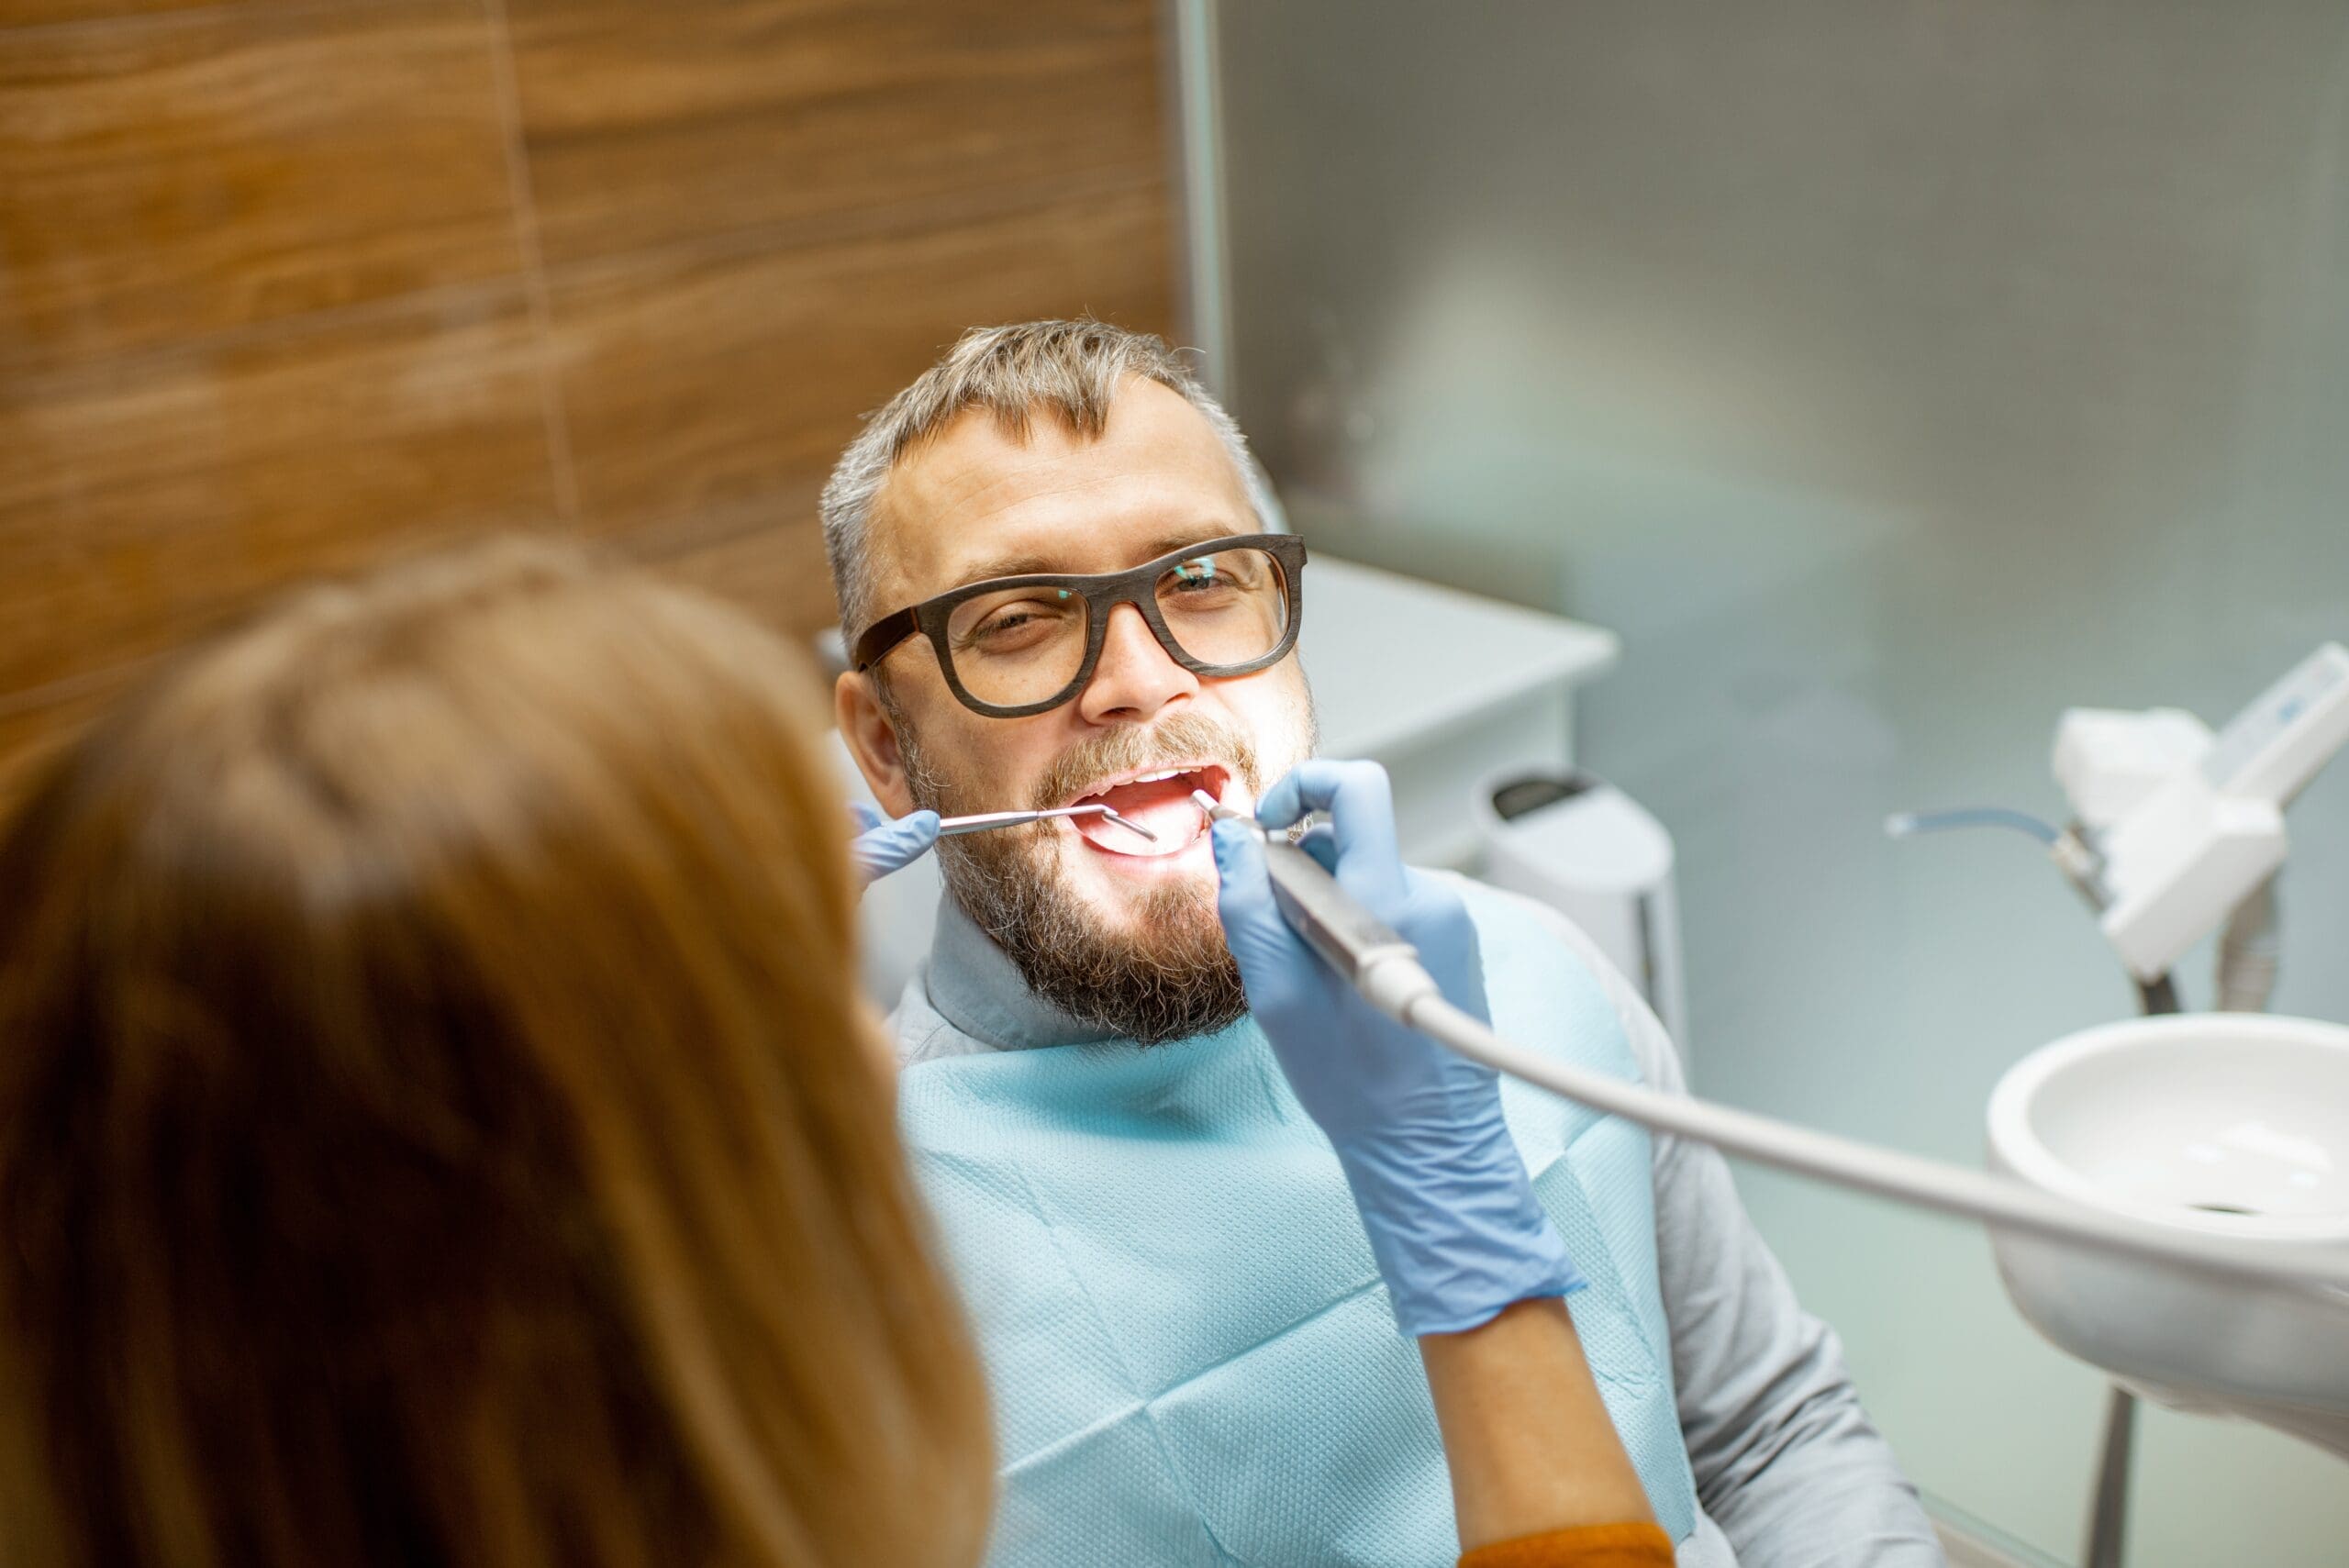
(976,986)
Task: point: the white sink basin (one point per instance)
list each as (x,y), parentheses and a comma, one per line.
(2227,1124)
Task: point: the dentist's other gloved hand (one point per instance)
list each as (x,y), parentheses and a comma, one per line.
(1440,1184)
(884,844)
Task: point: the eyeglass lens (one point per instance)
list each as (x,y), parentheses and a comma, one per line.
(1022,645)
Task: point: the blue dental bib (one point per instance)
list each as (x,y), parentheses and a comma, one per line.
(1190,1352)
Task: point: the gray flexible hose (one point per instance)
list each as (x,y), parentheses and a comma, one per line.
(1386,970)
(1906,1178)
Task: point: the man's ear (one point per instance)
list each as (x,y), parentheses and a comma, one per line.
(872,741)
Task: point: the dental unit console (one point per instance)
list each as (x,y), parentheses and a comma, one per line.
(2186,825)
(1385,968)
(2176,830)
(2225,1121)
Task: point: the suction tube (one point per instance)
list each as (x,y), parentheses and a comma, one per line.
(1386,970)
(1885,1172)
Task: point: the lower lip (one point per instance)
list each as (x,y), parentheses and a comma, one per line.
(1148,865)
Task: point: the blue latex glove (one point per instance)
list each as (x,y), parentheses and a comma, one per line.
(1442,1189)
(884,844)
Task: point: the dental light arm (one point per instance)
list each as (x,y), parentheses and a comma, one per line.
(2188,825)
(1386,970)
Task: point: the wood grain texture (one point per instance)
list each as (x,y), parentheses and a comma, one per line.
(776,572)
(267,313)
(31,732)
(140,507)
(188,176)
(710,397)
(652,124)
(41,13)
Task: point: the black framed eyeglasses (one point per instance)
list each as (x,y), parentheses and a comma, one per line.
(1016,646)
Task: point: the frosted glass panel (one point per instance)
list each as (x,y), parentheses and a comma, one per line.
(1891,377)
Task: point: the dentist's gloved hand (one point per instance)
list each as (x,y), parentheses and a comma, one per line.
(885,844)
(1441,1187)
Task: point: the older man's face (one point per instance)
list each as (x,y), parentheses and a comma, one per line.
(977,502)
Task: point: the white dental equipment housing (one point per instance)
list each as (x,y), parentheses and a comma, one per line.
(2188,824)
(1570,840)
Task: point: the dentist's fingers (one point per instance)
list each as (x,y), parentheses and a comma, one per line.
(1361,804)
(1320,842)
(865,817)
(1284,803)
(1268,952)
(894,845)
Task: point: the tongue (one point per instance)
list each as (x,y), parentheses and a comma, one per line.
(1164,806)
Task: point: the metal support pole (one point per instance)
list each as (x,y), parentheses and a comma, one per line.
(2109,1522)
(2109,1517)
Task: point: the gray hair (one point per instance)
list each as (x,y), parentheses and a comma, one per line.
(1070,369)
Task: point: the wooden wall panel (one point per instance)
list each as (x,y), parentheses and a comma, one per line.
(711,393)
(649,125)
(32,725)
(289,286)
(34,13)
(210,174)
(776,572)
(138,509)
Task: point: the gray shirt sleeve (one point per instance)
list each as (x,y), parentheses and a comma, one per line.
(1787,1463)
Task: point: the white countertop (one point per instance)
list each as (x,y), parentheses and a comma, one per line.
(1399,664)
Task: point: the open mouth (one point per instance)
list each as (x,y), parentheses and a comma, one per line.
(1160,799)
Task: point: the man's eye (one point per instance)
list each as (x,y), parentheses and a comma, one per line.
(1015,625)
(1197,584)
(1007,621)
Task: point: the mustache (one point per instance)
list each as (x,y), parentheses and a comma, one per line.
(1185,737)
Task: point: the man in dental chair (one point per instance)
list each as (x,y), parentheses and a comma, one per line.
(1058,585)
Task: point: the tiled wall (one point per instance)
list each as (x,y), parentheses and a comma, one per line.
(289,286)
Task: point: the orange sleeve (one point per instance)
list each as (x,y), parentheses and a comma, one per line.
(1591,1546)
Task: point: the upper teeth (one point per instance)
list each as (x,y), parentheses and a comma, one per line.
(1154,778)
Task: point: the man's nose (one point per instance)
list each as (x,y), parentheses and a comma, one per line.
(1136,678)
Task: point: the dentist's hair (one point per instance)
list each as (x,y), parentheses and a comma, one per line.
(437,1120)
(1070,371)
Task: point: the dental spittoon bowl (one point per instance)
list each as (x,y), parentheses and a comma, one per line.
(2225,1124)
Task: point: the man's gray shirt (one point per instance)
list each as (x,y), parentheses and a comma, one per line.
(1790,1471)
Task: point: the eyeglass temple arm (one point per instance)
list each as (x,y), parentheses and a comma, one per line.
(880,637)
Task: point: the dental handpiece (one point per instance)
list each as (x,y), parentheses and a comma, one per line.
(1386,970)
(985,822)
(1351,939)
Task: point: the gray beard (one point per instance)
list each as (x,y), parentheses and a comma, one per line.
(1172,979)
(1175,980)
